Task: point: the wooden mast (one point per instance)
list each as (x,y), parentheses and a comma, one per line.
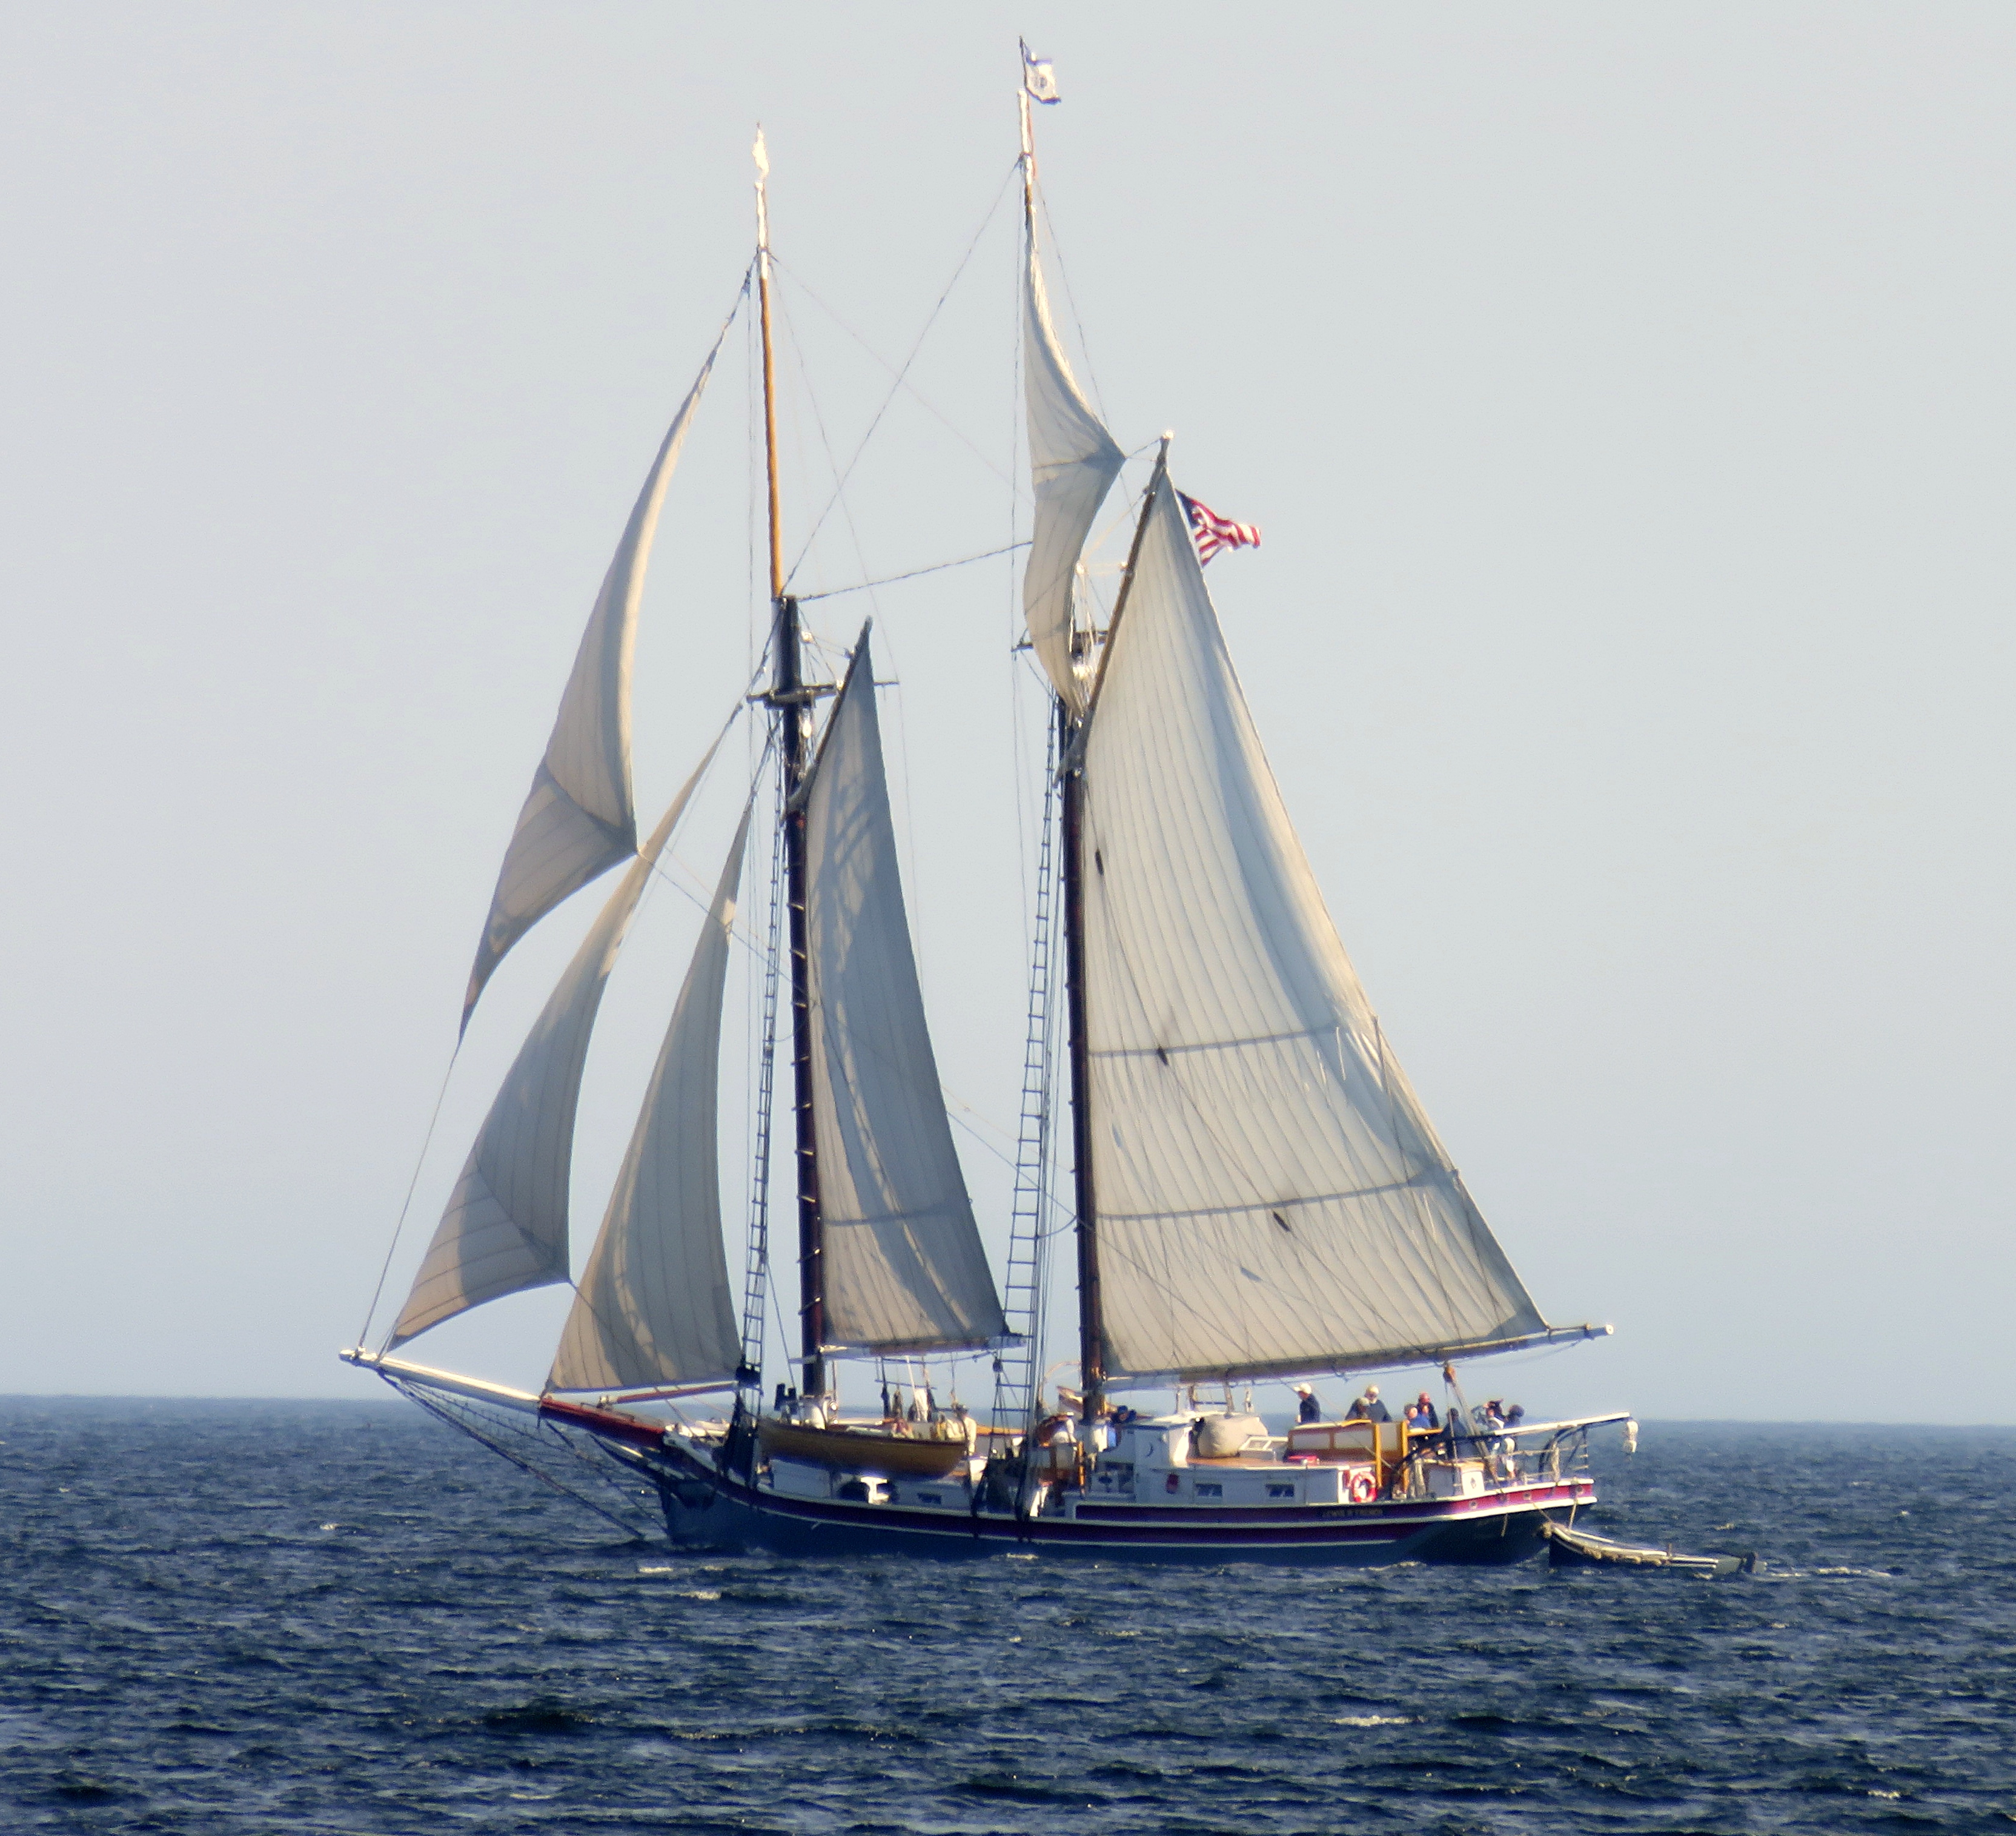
(1091,1329)
(1071,750)
(788,698)
(1091,1325)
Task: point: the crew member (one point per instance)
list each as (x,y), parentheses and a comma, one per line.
(1368,1408)
(1308,1409)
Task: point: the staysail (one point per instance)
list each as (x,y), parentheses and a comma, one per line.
(1270,1197)
(904,1267)
(579,819)
(506,1227)
(653,1307)
(1074,461)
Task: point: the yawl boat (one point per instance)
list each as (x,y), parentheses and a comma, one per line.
(1255,1192)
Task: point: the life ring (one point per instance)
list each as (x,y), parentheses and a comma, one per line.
(1363,1488)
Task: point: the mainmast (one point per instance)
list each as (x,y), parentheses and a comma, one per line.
(787,696)
(1091,1330)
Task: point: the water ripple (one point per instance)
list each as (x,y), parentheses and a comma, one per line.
(252,1617)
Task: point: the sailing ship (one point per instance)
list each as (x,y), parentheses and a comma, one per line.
(1255,1191)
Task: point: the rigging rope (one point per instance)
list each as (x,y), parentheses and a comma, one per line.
(391,1248)
(834,593)
(466,1418)
(902,375)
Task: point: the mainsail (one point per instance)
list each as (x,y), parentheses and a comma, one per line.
(579,819)
(506,1227)
(1270,1197)
(903,1265)
(1074,460)
(653,1307)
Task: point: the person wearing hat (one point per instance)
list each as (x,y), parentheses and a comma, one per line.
(1308,1409)
(1368,1408)
(1421,1416)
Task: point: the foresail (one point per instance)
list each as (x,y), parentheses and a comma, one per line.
(506,1227)
(1270,1196)
(904,1267)
(653,1308)
(579,819)
(1074,461)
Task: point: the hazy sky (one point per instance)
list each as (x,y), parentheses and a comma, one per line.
(1626,397)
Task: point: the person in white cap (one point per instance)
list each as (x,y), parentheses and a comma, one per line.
(1368,1408)
(1309,1409)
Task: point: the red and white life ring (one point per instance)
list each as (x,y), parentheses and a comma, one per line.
(1363,1488)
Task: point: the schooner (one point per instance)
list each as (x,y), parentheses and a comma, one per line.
(1254,1190)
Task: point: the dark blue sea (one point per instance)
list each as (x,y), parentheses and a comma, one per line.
(265,1617)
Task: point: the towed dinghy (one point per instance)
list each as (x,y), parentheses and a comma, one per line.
(1570,1548)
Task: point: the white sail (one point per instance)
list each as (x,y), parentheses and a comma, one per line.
(1073,461)
(1269,1195)
(904,1268)
(579,819)
(653,1307)
(506,1227)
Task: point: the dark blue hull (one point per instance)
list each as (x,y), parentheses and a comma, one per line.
(1507,1525)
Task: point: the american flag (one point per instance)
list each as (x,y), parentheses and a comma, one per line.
(1214,532)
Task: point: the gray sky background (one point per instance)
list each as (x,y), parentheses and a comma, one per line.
(1627,396)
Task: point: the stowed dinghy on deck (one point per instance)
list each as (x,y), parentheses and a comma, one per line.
(1257,1192)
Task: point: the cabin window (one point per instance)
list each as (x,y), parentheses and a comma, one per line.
(1280,1492)
(927,1498)
(1205,1490)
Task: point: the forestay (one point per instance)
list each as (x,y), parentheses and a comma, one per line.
(653,1307)
(506,1227)
(904,1268)
(1269,1195)
(579,819)
(1073,461)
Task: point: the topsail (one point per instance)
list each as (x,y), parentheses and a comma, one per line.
(579,819)
(1073,461)
(1270,1197)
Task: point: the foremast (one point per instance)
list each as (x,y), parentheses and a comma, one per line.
(789,701)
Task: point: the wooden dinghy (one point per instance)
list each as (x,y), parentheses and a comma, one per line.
(862,1448)
(1568,1548)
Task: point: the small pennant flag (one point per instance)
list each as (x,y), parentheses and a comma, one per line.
(1213,532)
(1038,77)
